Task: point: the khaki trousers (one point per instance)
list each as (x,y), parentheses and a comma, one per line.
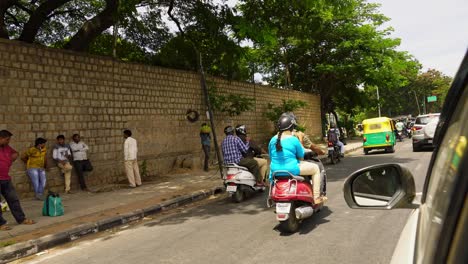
(311,169)
(263,167)
(133,172)
(66,170)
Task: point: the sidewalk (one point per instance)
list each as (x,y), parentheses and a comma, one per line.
(110,206)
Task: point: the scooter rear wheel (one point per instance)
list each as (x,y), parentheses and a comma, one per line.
(238,196)
(292,224)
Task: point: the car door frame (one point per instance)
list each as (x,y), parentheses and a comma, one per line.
(451,223)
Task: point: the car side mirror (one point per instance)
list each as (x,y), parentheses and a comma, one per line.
(383,186)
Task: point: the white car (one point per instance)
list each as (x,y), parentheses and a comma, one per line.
(437,229)
(423,130)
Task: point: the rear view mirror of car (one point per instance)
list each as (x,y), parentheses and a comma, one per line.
(376,186)
(384,186)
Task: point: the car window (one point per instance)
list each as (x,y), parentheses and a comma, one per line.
(441,182)
(423,120)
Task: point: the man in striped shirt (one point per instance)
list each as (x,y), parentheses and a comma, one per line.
(233,147)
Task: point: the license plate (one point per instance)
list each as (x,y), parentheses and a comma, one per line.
(429,141)
(231,188)
(330,148)
(283,208)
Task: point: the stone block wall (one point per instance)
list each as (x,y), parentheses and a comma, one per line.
(45,92)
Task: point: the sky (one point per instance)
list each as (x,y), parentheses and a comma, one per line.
(434,31)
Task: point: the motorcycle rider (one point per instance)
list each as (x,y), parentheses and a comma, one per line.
(334,136)
(233,149)
(286,153)
(253,151)
(400,127)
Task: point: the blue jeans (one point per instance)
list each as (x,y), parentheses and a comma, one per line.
(38,179)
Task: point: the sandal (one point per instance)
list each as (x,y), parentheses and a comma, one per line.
(28,222)
(5,227)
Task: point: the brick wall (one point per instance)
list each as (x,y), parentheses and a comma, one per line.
(45,92)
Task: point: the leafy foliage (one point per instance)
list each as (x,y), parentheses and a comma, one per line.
(231,104)
(274,112)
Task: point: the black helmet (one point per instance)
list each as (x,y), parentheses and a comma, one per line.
(286,122)
(241,130)
(290,114)
(229,130)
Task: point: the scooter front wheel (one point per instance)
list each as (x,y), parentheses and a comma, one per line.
(292,224)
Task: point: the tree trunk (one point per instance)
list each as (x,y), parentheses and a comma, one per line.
(94,27)
(37,19)
(4,5)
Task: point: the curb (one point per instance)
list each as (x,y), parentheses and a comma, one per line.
(27,248)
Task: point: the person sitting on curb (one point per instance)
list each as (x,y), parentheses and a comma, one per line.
(253,151)
(233,149)
(7,156)
(62,156)
(36,165)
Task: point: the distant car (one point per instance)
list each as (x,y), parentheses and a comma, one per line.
(437,229)
(423,130)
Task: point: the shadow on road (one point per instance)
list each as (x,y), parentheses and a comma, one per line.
(309,224)
(252,205)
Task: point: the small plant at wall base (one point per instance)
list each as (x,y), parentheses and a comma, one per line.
(274,112)
(144,169)
(231,104)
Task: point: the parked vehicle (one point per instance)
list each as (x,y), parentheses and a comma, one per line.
(378,133)
(334,152)
(437,229)
(423,130)
(239,181)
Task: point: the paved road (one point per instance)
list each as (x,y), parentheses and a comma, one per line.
(223,232)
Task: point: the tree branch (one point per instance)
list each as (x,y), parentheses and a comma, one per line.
(62,13)
(37,19)
(22,7)
(4,6)
(94,27)
(13,18)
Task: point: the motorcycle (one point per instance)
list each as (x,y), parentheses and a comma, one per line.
(239,181)
(400,135)
(334,152)
(294,197)
(408,132)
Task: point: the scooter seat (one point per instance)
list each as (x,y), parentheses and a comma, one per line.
(233,165)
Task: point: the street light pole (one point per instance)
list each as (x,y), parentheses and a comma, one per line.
(378,100)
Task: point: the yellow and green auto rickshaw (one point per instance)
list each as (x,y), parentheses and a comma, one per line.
(378,133)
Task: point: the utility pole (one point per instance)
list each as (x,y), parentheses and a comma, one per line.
(378,100)
(417,103)
(424,104)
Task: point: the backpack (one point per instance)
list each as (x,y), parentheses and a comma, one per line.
(53,205)
(332,136)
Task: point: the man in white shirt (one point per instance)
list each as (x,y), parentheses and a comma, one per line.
(80,160)
(130,157)
(62,155)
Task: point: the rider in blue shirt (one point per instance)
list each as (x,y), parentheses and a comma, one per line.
(286,153)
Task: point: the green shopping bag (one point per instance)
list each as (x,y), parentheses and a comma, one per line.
(53,205)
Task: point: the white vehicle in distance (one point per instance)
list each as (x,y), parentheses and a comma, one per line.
(423,130)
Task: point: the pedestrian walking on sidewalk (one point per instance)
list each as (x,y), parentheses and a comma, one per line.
(130,159)
(36,165)
(62,155)
(7,156)
(205,131)
(81,162)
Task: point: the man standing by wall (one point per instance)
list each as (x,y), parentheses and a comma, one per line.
(7,156)
(80,160)
(205,138)
(62,155)
(130,157)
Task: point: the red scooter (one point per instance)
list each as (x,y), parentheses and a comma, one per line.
(294,200)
